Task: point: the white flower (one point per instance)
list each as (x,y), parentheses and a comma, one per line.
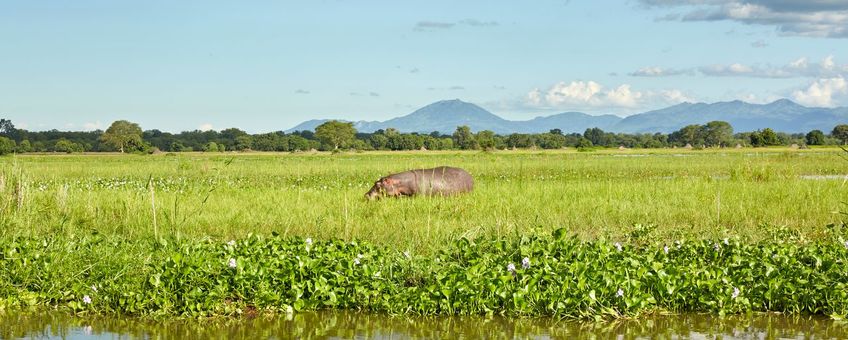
(726,242)
(406,254)
(619,293)
(356,261)
(665,249)
(87,330)
(359,256)
(618,246)
(86,299)
(377,274)
(846,244)
(231,243)
(735,293)
(232,263)
(716,247)
(309,241)
(94,288)
(525,263)
(510,268)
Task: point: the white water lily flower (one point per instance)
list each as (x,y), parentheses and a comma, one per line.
(231,263)
(525,263)
(619,293)
(735,293)
(510,268)
(618,246)
(86,299)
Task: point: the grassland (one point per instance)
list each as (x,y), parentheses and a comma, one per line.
(595,234)
(682,193)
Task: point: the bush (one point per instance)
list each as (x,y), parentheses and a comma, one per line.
(7,146)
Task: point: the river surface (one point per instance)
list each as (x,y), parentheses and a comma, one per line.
(348,325)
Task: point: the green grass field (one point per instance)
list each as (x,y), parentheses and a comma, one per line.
(682,193)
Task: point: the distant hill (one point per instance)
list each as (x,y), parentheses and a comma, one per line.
(444,116)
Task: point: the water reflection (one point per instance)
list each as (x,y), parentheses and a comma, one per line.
(346,325)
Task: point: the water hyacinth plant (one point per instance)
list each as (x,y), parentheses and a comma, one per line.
(569,277)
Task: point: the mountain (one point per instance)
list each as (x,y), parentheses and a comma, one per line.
(444,116)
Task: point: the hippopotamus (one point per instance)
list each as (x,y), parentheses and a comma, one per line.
(443,181)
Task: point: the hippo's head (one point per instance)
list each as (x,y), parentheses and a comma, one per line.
(383,187)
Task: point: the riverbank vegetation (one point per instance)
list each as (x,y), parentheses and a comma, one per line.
(573,234)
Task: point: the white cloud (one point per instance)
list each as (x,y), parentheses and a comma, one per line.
(205,127)
(581,95)
(799,68)
(823,92)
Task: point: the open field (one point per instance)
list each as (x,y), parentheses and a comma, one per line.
(683,193)
(596,234)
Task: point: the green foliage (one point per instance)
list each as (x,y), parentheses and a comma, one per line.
(24,146)
(764,137)
(66,146)
(815,137)
(335,134)
(841,132)
(211,147)
(7,146)
(556,275)
(464,139)
(486,140)
(123,135)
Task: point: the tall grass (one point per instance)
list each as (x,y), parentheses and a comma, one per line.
(685,194)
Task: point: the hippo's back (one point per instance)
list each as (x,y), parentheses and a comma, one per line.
(443,180)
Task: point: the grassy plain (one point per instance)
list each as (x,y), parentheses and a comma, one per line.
(682,193)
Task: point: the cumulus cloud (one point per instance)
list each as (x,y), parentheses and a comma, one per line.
(301,91)
(656,71)
(823,92)
(811,18)
(206,127)
(590,94)
(799,68)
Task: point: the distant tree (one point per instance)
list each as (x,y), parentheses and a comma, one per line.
(556,131)
(769,137)
(690,134)
(840,132)
(717,133)
(378,141)
(486,139)
(64,145)
(815,137)
(24,146)
(211,147)
(122,134)
(243,143)
(335,134)
(7,146)
(7,129)
(464,139)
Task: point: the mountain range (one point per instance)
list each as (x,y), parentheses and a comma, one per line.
(444,116)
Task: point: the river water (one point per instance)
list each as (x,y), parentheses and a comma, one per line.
(349,325)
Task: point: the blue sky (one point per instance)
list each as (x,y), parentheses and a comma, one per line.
(268,65)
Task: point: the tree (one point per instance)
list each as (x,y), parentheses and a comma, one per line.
(24,146)
(717,133)
(7,146)
(64,145)
(841,132)
(122,134)
(335,133)
(464,139)
(211,147)
(486,139)
(815,137)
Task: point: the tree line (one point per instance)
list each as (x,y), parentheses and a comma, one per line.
(124,136)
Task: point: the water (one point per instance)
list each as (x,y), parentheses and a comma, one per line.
(348,325)
(824,177)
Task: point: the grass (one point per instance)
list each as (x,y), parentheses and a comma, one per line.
(147,235)
(685,194)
